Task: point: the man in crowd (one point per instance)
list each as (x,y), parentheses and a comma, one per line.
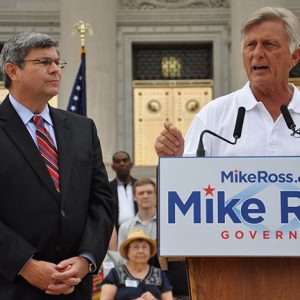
(270,49)
(122,187)
(145,196)
(56,206)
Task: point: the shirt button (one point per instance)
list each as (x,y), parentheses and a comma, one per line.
(63,213)
(58,248)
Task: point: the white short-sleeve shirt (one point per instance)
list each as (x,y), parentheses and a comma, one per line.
(261,136)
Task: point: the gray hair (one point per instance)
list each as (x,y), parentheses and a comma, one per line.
(17,47)
(290,21)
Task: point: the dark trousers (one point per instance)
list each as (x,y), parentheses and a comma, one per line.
(177,275)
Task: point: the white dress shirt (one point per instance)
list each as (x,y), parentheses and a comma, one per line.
(126,201)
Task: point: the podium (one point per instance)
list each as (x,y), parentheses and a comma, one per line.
(244,242)
(244,278)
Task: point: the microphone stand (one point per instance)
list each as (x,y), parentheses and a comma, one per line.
(289,121)
(236,133)
(201,150)
(295,132)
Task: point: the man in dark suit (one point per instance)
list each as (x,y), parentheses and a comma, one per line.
(55,201)
(122,187)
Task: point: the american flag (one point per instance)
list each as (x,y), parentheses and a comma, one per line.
(77,101)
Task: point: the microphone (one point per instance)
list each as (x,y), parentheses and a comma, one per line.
(236,133)
(289,121)
(287,117)
(239,123)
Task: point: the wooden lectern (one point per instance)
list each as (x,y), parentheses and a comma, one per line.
(244,278)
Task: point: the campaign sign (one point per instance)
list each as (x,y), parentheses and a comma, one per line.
(229,206)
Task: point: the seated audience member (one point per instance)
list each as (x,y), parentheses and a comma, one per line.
(122,188)
(136,279)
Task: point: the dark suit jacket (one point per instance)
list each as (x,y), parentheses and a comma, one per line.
(114,188)
(34,219)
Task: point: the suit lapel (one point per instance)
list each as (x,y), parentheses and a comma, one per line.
(63,134)
(16,130)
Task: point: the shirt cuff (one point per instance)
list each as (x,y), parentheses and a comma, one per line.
(91,260)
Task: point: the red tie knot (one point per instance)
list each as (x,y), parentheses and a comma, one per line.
(38,121)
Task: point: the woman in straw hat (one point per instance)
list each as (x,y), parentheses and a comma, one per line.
(136,279)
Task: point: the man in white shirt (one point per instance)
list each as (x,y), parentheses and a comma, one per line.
(145,219)
(122,187)
(270,49)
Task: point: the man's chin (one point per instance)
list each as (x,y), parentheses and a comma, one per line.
(262,82)
(123,174)
(52,93)
(51,96)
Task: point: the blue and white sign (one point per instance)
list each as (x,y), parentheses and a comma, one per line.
(229,206)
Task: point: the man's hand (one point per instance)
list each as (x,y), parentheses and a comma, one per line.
(38,273)
(170,142)
(67,275)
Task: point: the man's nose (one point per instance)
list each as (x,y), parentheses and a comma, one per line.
(259,50)
(54,67)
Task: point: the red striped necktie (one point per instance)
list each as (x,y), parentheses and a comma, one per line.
(47,149)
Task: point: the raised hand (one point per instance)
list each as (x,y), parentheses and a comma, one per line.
(170,142)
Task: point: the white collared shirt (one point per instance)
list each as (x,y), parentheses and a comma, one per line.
(126,201)
(261,136)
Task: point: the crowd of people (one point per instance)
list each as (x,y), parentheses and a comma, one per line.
(141,219)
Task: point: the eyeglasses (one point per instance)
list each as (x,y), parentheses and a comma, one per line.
(47,62)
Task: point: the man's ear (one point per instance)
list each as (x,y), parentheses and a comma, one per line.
(12,71)
(295,57)
(113,167)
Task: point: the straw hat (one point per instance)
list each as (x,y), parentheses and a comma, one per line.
(137,235)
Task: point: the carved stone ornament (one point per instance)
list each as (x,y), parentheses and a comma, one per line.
(172,4)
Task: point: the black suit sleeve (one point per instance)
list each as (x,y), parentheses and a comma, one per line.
(99,223)
(17,252)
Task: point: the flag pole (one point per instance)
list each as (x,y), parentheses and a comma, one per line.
(82,28)
(77,101)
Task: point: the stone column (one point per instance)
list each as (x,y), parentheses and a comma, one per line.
(100,64)
(239,12)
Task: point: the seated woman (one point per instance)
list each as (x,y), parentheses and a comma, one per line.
(136,279)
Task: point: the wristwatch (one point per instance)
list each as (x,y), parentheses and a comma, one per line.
(91,266)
